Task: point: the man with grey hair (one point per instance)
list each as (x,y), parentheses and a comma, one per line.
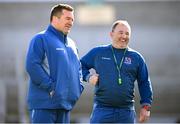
(117,68)
(54,69)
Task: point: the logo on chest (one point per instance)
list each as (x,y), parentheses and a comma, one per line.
(127,60)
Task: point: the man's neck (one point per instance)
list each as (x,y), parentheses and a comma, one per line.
(55,26)
(118,46)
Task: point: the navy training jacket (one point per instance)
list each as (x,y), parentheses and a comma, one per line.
(107,91)
(53,64)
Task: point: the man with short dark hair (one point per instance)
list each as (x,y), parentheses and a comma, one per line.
(54,70)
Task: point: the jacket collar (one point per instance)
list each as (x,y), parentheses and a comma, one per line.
(59,34)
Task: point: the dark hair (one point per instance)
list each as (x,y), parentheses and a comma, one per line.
(57,9)
(114,26)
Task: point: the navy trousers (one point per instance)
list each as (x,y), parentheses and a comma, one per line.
(102,114)
(49,116)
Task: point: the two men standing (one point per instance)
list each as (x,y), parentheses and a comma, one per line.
(56,80)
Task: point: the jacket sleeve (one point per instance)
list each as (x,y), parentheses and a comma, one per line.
(81,77)
(87,62)
(80,73)
(34,60)
(144,83)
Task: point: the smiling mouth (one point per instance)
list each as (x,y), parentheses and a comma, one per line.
(68,26)
(122,40)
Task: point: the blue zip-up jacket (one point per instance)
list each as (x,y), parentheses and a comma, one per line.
(53,65)
(107,91)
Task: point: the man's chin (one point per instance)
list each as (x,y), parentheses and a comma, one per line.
(66,32)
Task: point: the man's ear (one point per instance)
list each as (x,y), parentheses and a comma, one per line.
(55,19)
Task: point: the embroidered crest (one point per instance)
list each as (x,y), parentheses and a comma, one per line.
(127,60)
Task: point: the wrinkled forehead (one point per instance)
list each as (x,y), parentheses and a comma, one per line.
(122,27)
(67,14)
(121,24)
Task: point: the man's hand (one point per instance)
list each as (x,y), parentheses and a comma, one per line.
(144,115)
(93,79)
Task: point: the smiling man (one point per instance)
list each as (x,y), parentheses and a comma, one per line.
(54,70)
(117,68)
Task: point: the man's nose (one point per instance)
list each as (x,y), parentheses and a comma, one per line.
(124,35)
(71,22)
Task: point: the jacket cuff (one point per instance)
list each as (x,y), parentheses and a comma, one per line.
(146,104)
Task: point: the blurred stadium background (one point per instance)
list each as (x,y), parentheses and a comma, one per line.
(155,33)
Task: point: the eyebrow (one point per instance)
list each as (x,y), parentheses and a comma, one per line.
(123,31)
(69,18)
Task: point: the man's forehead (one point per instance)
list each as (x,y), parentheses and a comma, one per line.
(121,26)
(68,13)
